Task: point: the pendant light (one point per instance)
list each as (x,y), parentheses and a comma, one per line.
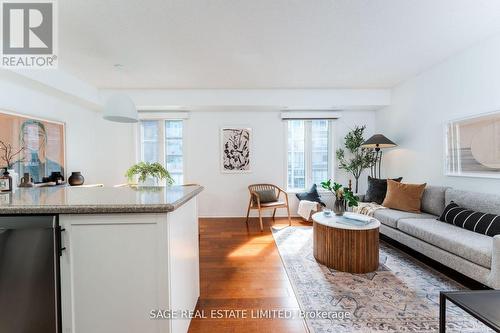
(119,107)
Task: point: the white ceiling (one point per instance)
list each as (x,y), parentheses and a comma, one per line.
(265,43)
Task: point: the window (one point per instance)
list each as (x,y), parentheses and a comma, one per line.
(309,152)
(161,141)
(149,143)
(173,150)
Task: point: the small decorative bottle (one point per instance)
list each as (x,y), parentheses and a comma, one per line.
(5,182)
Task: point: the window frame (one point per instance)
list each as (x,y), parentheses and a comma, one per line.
(139,153)
(308,154)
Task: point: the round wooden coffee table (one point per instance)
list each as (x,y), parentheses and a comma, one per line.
(345,247)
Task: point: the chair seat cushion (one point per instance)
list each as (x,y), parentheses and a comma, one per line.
(273,204)
(390,217)
(463,243)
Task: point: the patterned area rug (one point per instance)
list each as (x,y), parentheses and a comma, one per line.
(401,296)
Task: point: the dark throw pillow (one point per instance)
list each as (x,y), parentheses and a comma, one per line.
(482,223)
(266,196)
(377,188)
(311,195)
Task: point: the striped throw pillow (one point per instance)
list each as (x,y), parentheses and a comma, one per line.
(482,223)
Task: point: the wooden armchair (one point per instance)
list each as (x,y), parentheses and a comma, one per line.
(255,203)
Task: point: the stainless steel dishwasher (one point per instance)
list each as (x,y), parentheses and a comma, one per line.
(29,274)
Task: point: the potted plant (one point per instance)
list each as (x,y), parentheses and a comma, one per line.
(360,158)
(343,196)
(148,174)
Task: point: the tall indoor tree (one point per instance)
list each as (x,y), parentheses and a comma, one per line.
(359,158)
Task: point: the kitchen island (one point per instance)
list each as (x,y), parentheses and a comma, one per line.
(125,254)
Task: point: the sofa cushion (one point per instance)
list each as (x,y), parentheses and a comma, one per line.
(377,188)
(464,243)
(390,217)
(406,197)
(433,199)
(311,195)
(481,202)
(482,223)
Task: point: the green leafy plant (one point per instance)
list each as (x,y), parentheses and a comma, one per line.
(341,192)
(146,169)
(360,158)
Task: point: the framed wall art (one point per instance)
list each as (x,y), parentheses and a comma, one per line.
(472,146)
(42,143)
(236,151)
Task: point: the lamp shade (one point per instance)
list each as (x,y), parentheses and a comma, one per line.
(378,141)
(120,108)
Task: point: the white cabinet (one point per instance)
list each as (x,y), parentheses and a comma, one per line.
(118,267)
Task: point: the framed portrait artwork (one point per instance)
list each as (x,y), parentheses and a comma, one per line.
(42,143)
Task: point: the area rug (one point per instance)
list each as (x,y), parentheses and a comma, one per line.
(401,296)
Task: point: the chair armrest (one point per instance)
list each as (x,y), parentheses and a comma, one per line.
(253,193)
(280,190)
(257,196)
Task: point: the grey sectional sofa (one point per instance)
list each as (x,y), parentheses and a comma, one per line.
(474,255)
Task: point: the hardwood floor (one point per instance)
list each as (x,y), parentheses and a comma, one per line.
(240,269)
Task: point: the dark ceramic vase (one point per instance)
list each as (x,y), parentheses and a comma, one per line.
(56,177)
(76,179)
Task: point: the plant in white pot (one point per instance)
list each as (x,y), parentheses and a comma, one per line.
(148,174)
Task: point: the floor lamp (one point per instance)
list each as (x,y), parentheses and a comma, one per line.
(377,142)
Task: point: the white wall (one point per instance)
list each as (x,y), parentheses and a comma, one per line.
(227,194)
(103,150)
(256,99)
(95,147)
(114,150)
(464,85)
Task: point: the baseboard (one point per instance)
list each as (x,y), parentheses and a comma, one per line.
(243,216)
(449,272)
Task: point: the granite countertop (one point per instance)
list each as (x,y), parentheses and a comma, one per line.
(97,200)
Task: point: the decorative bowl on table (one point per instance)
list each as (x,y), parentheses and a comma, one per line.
(327,212)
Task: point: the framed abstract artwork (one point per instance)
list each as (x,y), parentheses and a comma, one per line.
(236,149)
(472,146)
(42,143)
